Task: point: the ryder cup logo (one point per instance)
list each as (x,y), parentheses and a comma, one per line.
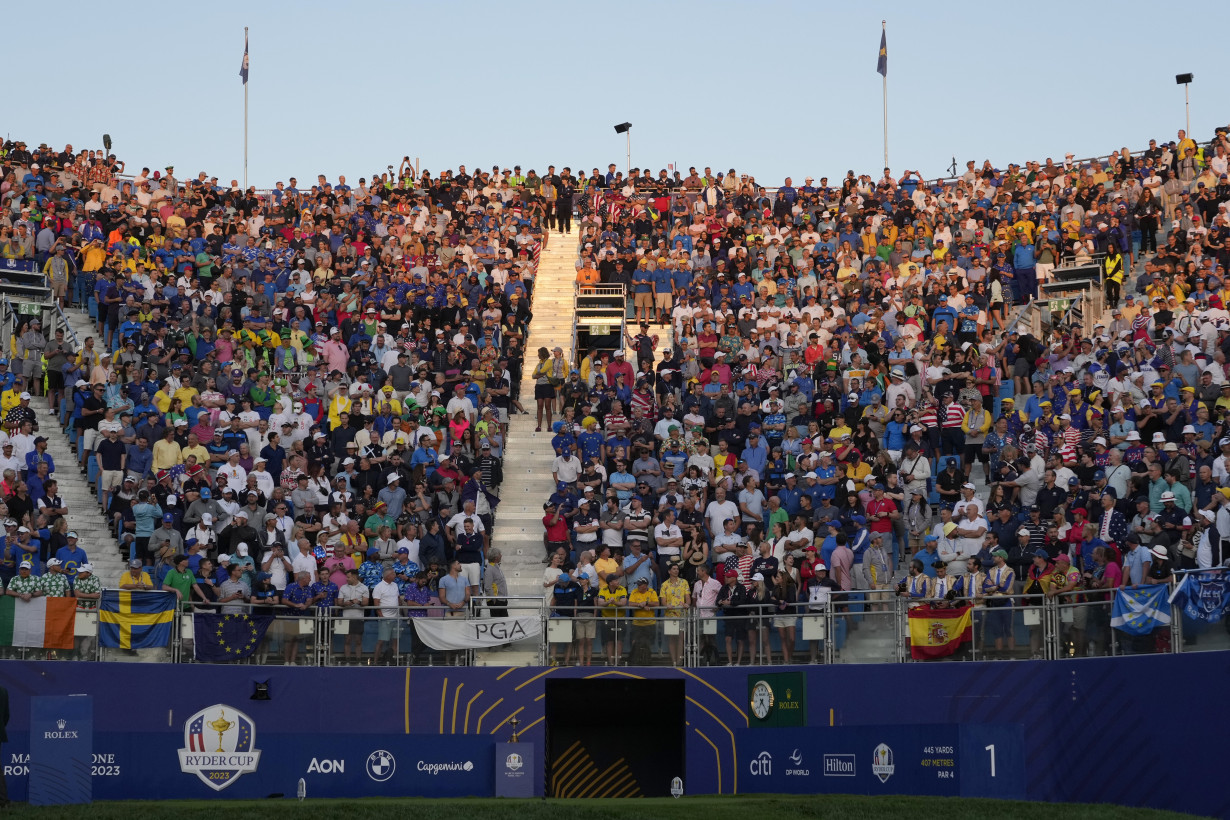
(381,765)
(513,762)
(219,746)
(882,763)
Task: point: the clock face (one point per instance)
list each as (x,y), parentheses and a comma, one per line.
(762,699)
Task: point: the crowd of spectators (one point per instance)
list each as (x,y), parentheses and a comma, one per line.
(846,408)
(300,391)
(293,396)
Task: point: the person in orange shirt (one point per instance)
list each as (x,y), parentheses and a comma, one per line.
(587,277)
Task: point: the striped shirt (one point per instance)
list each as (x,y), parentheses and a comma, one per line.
(954,415)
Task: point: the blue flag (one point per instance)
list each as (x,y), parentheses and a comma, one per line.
(1140,610)
(882,62)
(227,637)
(1203,596)
(135,620)
(243,67)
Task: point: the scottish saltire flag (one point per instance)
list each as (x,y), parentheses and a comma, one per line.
(1203,596)
(135,620)
(243,67)
(1140,610)
(881,63)
(227,637)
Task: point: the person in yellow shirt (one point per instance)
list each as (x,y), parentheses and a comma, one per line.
(93,257)
(340,403)
(194,450)
(1024,224)
(858,471)
(166,451)
(611,597)
(643,603)
(674,596)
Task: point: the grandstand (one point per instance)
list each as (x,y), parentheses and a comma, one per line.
(667,426)
(827,340)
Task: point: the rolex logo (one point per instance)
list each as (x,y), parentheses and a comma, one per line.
(61,723)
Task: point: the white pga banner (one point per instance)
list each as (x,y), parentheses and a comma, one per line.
(458,633)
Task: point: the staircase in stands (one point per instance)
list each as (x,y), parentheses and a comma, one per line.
(85,516)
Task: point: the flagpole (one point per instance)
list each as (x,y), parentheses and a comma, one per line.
(245,116)
(884,33)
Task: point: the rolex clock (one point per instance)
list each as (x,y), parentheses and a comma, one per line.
(762,699)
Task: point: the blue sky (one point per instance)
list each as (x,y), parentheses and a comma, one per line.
(768,88)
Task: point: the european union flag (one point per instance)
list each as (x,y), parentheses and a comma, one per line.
(1140,610)
(135,620)
(227,637)
(882,62)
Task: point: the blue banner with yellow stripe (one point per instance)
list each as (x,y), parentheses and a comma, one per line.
(135,620)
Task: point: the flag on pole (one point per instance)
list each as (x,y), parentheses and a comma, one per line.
(135,620)
(40,623)
(881,63)
(243,67)
(1140,610)
(1203,596)
(935,633)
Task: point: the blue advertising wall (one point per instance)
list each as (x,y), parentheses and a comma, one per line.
(1093,730)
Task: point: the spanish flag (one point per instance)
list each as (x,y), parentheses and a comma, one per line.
(935,633)
(135,620)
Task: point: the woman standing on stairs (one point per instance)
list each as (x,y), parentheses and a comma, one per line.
(544,390)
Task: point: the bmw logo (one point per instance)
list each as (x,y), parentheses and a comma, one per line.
(381,765)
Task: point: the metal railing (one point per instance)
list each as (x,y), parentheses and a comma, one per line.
(861,627)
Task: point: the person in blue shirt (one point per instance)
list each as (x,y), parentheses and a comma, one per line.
(756,452)
(943,313)
(642,289)
(790,494)
(663,285)
(929,554)
(71,556)
(589,443)
(563,437)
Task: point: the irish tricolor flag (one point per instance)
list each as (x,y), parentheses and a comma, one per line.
(43,623)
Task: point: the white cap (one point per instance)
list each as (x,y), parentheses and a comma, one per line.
(347,460)
(758,577)
(391,477)
(25,565)
(242,549)
(207,519)
(1187,428)
(1133,435)
(86,567)
(223,558)
(54,562)
(1100,440)
(968,486)
(1207,515)
(25,397)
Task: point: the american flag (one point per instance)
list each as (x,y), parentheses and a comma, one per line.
(196,737)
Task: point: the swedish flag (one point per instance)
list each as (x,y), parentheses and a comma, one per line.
(135,620)
(882,62)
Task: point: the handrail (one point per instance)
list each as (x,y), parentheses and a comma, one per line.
(61,322)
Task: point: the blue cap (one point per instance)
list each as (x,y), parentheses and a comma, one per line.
(1041,553)
(931,538)
(1099,475)
(372,551)
(168,519)
(263,576)
(563,485)
(878,487)
(191,542)
(205,493)
(858,519)
(1073,481)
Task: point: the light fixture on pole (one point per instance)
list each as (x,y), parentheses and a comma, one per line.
(626,129)
(1185,80)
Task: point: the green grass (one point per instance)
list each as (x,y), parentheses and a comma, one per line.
(829,807)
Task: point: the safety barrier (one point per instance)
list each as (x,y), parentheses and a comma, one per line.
(859,628)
